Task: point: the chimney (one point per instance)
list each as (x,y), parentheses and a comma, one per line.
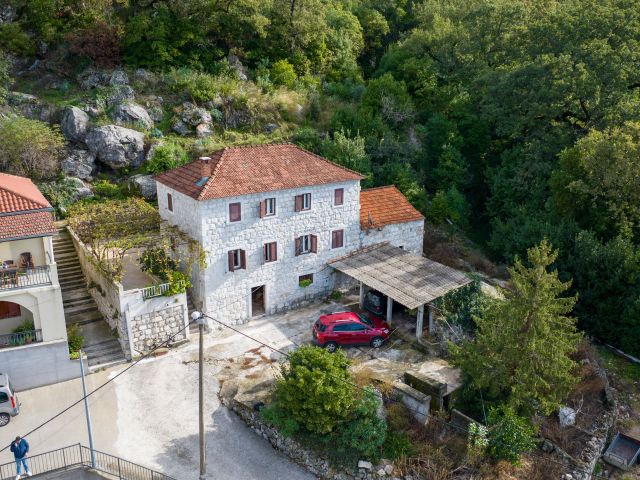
(205,169)
(205,160)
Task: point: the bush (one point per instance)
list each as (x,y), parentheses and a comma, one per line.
(29,148)
(106,189)
(450,205)
(74,338)
(397,445)
(25,326)
(200,87)
(14,40)
(510,436)
(156,261)
(316,389)
(166,156)
(280,419)
(100,43)
(283,74)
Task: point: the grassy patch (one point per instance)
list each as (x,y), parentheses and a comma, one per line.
(623,368)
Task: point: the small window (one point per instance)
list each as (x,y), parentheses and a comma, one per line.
(357,327)
(306,244)
(235,212)
(270,252)
(4,397)
(268,207)
(338,196)
(337,239)
(169,202)
(305,280)
(237,260)
(303,202)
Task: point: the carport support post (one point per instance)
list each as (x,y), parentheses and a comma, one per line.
(389,310)
(419,321)
(430,318)
(361,295)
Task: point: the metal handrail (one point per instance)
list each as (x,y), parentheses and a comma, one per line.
(13,278)
(20,338)
(75,456)
(155,291)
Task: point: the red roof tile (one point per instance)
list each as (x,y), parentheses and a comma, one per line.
(23,225)
(19,194)
(260,168)
(384,206)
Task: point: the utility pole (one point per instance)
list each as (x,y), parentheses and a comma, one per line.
(199,318)
(86,412)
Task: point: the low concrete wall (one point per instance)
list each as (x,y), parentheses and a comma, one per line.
(435,389)
(460,421)
(417,402)
(39,364)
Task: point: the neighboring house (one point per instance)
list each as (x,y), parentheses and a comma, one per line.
(270,217)
(30,295)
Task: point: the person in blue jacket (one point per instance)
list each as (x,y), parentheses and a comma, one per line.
(20,448)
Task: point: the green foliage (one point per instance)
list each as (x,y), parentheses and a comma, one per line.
(522,347)
(156,261)
(178,283)
(60,193)
(283,74)
(29,148)
(5,78)
(25,326)
(315,389)
(105,189)
(74,338)
(305,283)
(15,40)
(349,151)
(397,445)
(510,435)
(450,205)
(461,306)
(166,156)
(336,295)
(280,419)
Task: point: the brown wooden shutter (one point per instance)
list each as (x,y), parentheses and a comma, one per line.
(298,203)
(264,252)
(235,212)
(243,259)
(273,251)
(298,245)
(169,202)
(314,244)
(263,208)
(338,197)
(341,238)
(231,258)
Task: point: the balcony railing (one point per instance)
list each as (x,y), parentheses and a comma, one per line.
(22,338)
(154,291)
(12,278)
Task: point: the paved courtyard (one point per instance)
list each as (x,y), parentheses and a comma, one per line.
(149,415)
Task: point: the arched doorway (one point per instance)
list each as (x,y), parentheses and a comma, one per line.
(17,325)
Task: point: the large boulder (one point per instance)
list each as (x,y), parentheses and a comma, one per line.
(74,124)
(32,107)
(567,417)
(153,105)
(145,185)
(79,163)
(180,127)
(120,94)
(240,69)
(128,113)
(194,115)
(92,78)
(145,77)
(119,77)
(80,189)
(115,146)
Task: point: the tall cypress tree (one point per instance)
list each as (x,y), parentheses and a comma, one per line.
(522,347)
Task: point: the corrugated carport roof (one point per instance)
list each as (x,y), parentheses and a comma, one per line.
(408,278)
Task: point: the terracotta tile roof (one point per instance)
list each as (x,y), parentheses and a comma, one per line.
(19,194)
(260,168)
(36,224)
(384,206)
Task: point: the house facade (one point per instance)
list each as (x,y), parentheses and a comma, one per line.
(270,217)
(33,336)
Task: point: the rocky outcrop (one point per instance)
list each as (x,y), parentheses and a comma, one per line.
(74,124)
(188,116)
(145,77)
(32,107)
(117,147)
(79,163)
(119,77)
(120,94)
(92,78)
(131,113)
(240,69)
(145,185)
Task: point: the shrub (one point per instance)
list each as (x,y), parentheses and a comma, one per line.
(397,445)
(450,205)
(510,436)
(336,295)
(106,189)
(74,338)
(29,148)
(100,43)
(315,389)
(15,40)
(283,74)
(5,77)
(156,261)
(398,417)
(25,326)
(280,419)
(200,87)
(178,283)
(166,156)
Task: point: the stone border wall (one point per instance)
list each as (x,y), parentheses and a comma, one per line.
(148,328)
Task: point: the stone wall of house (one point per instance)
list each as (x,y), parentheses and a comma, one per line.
(148,329)
(409,235)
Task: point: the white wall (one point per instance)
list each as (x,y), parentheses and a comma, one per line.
(45,305)
(36,246)
(409,235)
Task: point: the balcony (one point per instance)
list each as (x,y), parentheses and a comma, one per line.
(19,339)
(16,278)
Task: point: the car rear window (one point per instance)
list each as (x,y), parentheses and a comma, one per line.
(374,299)
(4,397)
(320,326)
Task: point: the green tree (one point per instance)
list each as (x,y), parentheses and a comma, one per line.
(510,436)
(348,150)
(597,181)
(5,78)
(316,389)
(29,148)
(522,347)
(282,73)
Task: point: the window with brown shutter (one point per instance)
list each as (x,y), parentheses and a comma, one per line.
(338,196)
(231,256)
(9,309)
(298,203)
(270,252)
(314,244)
(337,239)
(235,212)
(243,260)
(298,246)
(169,202)
(263,208)
(302,202)
(268,207)
(237,260)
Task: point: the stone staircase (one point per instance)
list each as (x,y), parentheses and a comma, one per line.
(193,327)
(101,348)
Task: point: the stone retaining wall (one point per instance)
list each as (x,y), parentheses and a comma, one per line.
(149,328)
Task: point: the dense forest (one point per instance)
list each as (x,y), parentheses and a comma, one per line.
(506,121)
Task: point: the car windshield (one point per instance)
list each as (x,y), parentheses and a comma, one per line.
(366,320)
(375,301)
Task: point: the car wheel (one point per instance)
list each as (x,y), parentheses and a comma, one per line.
(4,419)
(331,347)
(377,342)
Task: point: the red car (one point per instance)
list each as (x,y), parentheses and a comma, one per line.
(349,328)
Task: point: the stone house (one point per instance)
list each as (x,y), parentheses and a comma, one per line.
(270,218)
(30,295)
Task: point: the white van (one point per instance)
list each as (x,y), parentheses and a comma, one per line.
(9,405)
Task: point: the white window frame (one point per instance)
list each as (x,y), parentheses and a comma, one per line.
(237,260)
(263,251)
(270,202)
(333,200)
(305,239)
(306,202)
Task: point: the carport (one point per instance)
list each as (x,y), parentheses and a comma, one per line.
(402,276)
